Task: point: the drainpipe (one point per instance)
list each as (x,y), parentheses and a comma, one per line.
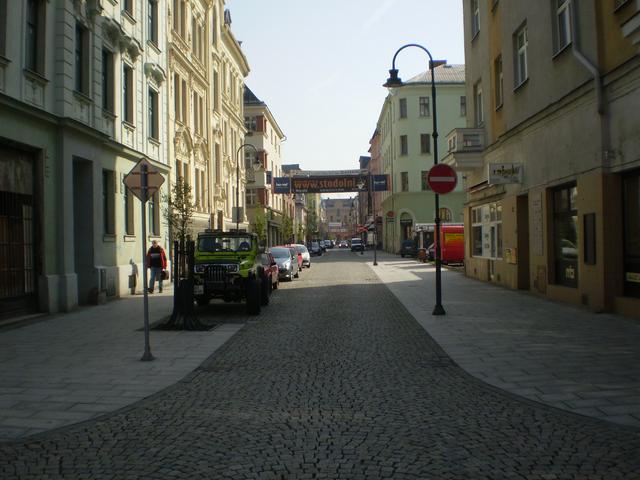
(597,77)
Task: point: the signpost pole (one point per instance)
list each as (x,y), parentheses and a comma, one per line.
(143,187)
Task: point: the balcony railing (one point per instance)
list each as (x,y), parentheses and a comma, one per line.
(465,140)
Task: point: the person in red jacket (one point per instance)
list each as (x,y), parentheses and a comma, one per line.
(156,262)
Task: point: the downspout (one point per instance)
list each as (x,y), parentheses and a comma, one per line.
(599,84)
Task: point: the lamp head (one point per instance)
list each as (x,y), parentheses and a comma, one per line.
(393,81)
(436,63)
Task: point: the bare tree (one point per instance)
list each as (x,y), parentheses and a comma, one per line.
(179,209)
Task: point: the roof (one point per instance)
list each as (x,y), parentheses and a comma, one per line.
(442,74)
(364,161)
(250,97)
(290,167)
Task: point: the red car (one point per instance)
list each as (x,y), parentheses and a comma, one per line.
(270,280)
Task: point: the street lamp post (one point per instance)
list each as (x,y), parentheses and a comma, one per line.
(371,214)
(256,165)
(394,82)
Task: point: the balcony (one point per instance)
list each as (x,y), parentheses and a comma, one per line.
(256,179)
(465,147)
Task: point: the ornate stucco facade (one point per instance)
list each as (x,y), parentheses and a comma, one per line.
(82,94)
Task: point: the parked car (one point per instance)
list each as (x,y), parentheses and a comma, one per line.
(302,250)
(356,245)
(323,245)
(408,249)
(287,260)
(314,249)
(270,267)
(332,243)
(343,244)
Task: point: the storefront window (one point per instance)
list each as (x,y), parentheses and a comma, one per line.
(487,231)
(631,202)
(565,235)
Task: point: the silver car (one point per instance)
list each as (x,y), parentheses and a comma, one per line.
(287,261)
(306,256)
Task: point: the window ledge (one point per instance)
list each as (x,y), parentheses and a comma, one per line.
(109,237)
(4,61)
(109,114)
(128,125)
(153,237)
(499,107)
(129,16)
(562,50)
(621,6)
(154,46)
(82,97)
(155,141)
(35,77)
(521,84)
(129,238)
(475,35)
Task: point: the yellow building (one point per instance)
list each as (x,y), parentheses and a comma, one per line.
(551,153)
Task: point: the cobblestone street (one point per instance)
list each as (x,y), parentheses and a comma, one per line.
(334,380)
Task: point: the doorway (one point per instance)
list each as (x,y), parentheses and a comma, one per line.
(83,229)
(522,211)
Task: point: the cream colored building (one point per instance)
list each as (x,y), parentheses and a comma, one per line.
(83,94)
(551,149)
(206,124)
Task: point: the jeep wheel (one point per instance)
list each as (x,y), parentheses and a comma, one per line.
(253,296)
(202,301)
(265,290)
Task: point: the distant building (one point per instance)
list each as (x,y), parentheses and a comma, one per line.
(261,167)
(405,127)
(551,151)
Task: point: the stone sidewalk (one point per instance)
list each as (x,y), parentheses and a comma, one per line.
(546,351)
(73,367)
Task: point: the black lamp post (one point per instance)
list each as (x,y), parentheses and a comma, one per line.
(256,166)
(394,82)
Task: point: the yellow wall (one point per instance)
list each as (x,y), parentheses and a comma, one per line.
(614,48)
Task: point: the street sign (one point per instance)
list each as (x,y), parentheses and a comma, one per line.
(442,178)
(133,180)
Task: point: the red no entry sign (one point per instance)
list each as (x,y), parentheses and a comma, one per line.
(442,178)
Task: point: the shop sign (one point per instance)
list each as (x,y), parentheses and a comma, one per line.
(282,185)
(632,277)
(380,183)
(502,173)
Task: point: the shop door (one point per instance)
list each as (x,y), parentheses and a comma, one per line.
(18,293)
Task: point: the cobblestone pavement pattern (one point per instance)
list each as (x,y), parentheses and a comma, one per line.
(336,380)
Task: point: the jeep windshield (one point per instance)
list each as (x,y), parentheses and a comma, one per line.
(224,243)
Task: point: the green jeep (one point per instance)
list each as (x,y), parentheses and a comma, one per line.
(227,266)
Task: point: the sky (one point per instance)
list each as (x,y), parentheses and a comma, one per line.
(320,65)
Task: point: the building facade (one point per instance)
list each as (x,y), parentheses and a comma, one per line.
(82,94)
(551,150)
(262,164)
(405,127)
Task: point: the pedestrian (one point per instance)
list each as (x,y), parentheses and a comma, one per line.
(157,263)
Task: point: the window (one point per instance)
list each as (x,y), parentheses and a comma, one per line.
(108,198)
(404,181)
(153,21)
(445,215)
(154,215)
(478,105)
(475,17)
(128,7)
(521,43)
(128,211)
(127,94)
(3,27)
(562,36)
(216,91)
(486,230)
(81,60)
(154,117)
(252,197)
(499,81)
(425,109)
(423,181)
(34,44)
(463,106)
(565,235)
(404,145)
(107,81)
(250,123)
(425,143)
(631,233)
(403,108)
(177,99)
(183,101)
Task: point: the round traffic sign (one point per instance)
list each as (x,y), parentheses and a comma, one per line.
(442,178)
